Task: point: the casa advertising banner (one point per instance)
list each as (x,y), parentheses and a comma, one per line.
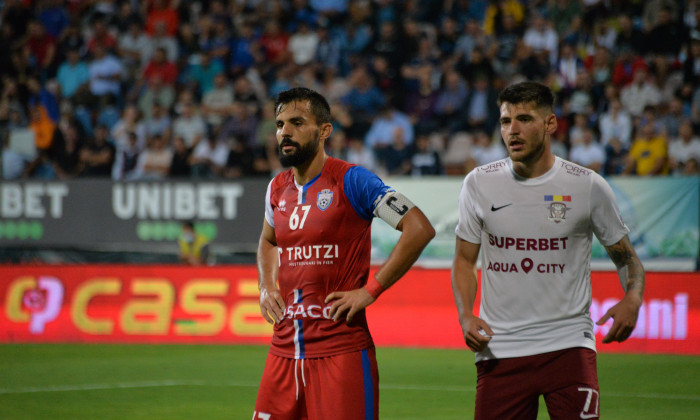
(171,304)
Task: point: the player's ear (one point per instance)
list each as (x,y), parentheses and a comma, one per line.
(325,131)
(550,124)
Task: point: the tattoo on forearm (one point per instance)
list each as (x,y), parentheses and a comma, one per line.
(629,267)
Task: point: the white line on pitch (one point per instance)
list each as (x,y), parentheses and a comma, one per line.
(171,383)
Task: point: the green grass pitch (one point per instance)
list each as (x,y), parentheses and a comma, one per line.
(89,381)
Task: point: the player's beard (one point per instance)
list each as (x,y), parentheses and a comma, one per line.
(302,155)
(531,156)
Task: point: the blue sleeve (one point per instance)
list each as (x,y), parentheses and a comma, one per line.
(362,188)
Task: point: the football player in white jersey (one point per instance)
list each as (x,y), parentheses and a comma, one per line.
(532,216)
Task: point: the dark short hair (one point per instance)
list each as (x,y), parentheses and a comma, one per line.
(319,106)
(525,92)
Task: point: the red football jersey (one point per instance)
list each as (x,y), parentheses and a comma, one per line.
(324,246)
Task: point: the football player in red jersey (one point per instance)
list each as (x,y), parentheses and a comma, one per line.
(313,264)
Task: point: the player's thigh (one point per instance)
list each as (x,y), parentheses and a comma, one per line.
(277,396)
(574,389)
(343,387)
(505,390)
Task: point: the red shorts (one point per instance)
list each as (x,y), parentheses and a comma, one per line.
(510,388)
(342,387)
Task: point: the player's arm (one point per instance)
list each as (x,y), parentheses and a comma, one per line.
(416,232)
(631,274)
(464,287)
(271,301)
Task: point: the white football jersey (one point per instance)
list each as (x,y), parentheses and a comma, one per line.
(536,236)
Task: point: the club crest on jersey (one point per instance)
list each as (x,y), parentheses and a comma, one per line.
(557,207)
(324,199)
(557,212)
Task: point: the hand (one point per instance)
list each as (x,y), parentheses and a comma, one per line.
(472,328)
(624,316)
(348,303)
(271,305)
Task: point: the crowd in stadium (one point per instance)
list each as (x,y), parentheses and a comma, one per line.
(147,90)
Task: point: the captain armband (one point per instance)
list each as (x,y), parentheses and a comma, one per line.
(393,207)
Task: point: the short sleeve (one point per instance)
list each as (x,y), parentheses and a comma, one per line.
(605,215)
(269,213)
(363,189)
(469,224)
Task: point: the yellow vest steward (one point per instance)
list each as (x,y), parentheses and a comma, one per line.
(195,249)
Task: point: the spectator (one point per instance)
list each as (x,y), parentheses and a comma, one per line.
(155,92)
(425,160)
(13,162)
(242,124)
(382,132)
(42,47)
(568,68)
(106,73)
(541,37)
(303,44)
(162,39)
(164,15)
(159,67)
(640,93)
(651,15)
(209,158)
(588,152)
(359,154)
(73,75)
(159,122)
(274,43)
(129,123)
(101,37)
(364,100)
(499,8)
(397,155)
(629,38)
(54,17)
(615,156)
(97,155)
(190,126)
(648,154)
(134,47)
(245,50)
(667,36)
(683,147)
(672,117)
(451,101)
(67,158)
(218,102)
(328,50)
(626,66)
(420,102)
(480,110)
(386,44)
(485,150)
(127,157)
(337,145)
(240,161)
(180,164)
(154,162)
(616,123)
(504,48)
(201,73)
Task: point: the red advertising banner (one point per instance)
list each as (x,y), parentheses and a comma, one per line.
(171,304)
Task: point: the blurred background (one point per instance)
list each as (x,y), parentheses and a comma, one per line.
(120,120)
(138,139)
